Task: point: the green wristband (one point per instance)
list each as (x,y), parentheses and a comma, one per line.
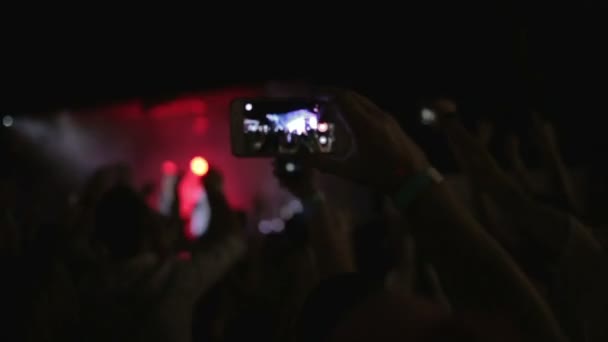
(414,185)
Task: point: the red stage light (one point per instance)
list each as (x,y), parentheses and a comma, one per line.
(169,167)
(199,166)
(200,125)
(179,107)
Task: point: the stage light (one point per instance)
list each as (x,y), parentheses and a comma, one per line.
(169,167)
(199,166)
(323,127)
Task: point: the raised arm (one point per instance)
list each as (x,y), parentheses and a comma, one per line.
(328,231)
(224,243)
(580,260)
(546,140)
(520,170)
(476,272)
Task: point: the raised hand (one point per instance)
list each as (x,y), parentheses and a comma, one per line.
(518,165)
(302,183)
(485,131)
(382,153)
(546,140)
(223,218)
(213,182)
(469,151)
(543,134)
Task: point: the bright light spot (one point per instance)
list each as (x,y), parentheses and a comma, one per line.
(427,116)
(296,206)
(290,209)
(286,213)
(274,225)
(199,166)
(323,140)
(264,227)
(277,225)
(290,167)
(323,127)
(313,122)
(248,106)
(169,167)
(7,121)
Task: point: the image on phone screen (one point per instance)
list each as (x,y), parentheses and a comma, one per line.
(283,127)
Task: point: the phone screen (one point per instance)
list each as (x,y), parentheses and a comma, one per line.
(271,127)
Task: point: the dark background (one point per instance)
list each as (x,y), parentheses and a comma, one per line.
(498,61)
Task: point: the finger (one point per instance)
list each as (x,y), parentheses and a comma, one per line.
(439,293)
(485,130)
(469,150)
(410,261)
(326,164)
(544,136)
(537,121)
(549,131)
(516,161)
(538,130)
(512,147)
(443,106)
(357,115)
(365,103)
(353,109)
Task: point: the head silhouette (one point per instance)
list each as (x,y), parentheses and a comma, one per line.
(119,221)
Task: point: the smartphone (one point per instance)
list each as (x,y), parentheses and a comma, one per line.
(264,127)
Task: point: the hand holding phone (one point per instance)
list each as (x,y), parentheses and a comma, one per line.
(296,176)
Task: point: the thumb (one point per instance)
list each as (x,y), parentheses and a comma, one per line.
(443,106)
(326,164)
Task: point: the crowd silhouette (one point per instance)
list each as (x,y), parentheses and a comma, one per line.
(522,265)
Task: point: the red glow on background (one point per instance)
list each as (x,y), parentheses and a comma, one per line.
(190,192)
(188,233)
(184,255)
(169,167)
(129,111)
(199,166)
(185,106)
(200,125)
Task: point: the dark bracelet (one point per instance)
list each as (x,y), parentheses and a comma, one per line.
(411,187)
